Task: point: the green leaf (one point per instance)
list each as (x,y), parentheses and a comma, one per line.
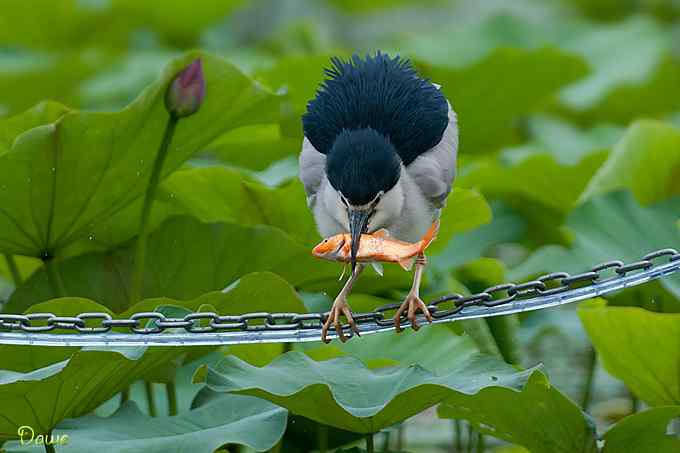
(76,24)
(302,432)
(430,348)
(488,118)
(644,84)
(180,23)
(90,377)
(644,432)
(655,96)
(537,417)
(28,358)
(74,386)
(612,90)
(227,419)
(254,147)
(505,226)
(567,143)
(32,77)
(43,113)
(544,179)
(361,450)
(345,394)
(26,266)
(308,71)
(549,188)
(358,6)
(182,378)
(214,194)
(116,85)
(70,175)
(645,42)
(251,293)
(475,38)
(605,228)
(637,346)
(646,161)
(477,212)
(185,259)
(218,194)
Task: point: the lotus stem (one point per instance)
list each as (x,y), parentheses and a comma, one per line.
(49,447)
(149,196)
(480,443)
(386,442)
(150,398)
(54,278)
(369,444)
(171,391)
(13,269)
(124,395)
(323,438)
(591,366)
(634,403)
(458,432)
(504,330)
(480,332)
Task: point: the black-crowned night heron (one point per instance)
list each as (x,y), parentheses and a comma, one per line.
(379,151)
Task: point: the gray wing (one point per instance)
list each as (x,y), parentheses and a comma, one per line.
(435,169)
(312,170)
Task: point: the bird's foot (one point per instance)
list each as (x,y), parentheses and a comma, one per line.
(339,308)
(411,305)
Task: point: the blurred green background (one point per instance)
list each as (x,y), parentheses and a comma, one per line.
(554,100)
(617,60)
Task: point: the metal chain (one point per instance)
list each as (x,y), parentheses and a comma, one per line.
(207,328)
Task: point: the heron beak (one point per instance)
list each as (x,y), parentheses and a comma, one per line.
(358,223)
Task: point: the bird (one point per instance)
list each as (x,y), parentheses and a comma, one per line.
(379,152)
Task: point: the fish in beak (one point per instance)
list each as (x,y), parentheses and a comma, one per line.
(358,223)
(330,248)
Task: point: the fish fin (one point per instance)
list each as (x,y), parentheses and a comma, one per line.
(430,236)
(378,268)
(381,233)
(407,263)
(344,270)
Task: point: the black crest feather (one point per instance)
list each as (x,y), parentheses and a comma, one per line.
(382,93)
(361,163)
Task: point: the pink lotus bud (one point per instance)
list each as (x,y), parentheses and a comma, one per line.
(185,94)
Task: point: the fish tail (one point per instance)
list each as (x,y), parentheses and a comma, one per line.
(406,263)
(344,270)
(430,236)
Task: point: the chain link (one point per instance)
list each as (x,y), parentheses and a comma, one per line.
(295,324)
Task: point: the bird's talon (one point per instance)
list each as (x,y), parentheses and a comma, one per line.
(355,329)
(411,305)
(337,310)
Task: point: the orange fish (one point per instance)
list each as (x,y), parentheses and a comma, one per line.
(375,247)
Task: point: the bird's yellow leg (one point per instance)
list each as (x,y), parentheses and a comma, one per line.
(339,308)
(413,303)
